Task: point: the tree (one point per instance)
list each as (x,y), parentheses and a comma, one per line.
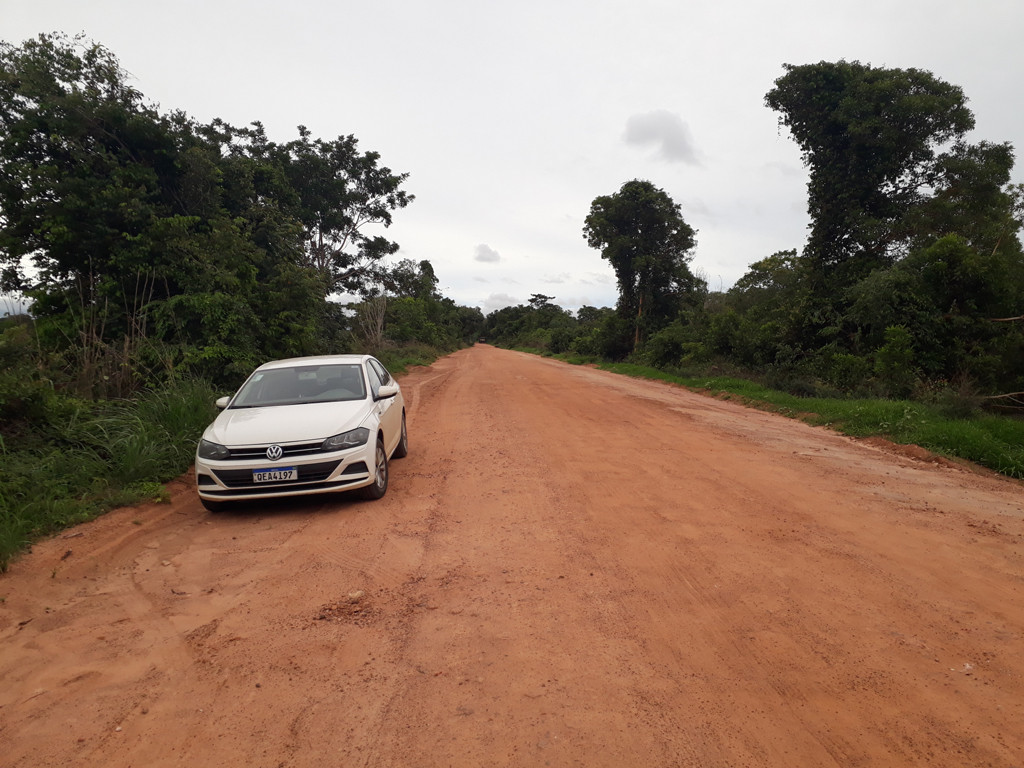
(768,283)
(641,232)
(342,191)
(407,279)
(869,137)
(972,197)
(83,163)
(943,297)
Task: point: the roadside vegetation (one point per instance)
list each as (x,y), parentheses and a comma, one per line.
(79,458)
(952,425)
(148,262)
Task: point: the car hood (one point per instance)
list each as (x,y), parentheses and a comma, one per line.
(286,423)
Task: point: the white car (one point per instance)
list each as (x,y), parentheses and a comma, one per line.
(302,426)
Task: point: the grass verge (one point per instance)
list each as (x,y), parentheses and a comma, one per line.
(398,360)
(995,442)
(89,457)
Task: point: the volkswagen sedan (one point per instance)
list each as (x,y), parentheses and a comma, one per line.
(303,426)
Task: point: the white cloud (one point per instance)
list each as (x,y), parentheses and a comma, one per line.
(573,303)
(785,168)
(664,130)
(487,254)
(498,301)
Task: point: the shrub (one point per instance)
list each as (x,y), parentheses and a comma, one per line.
(894,362)
(847,372)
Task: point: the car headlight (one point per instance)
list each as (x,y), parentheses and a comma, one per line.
(208,450)
(350,439)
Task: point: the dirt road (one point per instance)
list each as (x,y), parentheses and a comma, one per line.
(570,568)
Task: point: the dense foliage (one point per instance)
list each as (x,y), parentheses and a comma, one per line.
(152,245)
(869,139)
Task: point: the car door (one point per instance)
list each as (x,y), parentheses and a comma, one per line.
(389,409)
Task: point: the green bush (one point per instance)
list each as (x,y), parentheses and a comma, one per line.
(894,362)
(24,394)
(847,372)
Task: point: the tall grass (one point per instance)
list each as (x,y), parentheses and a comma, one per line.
(96,456)
(995,442)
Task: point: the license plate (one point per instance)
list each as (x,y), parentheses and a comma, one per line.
(274,475)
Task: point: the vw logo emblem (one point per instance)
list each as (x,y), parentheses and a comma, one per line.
(275,452)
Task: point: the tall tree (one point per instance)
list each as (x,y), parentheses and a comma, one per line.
(971,197)
(869,138)
(409,279)
(341,193)
(641,232)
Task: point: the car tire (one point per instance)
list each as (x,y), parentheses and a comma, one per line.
(379,487)
(402,449)
(213,506)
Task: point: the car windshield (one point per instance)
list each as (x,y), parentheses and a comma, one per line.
(302,384)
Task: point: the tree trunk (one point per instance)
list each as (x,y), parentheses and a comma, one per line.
(639,317)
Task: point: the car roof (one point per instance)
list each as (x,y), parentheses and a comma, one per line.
(294,362)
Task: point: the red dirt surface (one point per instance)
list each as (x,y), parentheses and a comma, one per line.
(570,568)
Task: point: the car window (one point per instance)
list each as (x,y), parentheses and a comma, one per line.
(382,372)
(375,382)
(302,384)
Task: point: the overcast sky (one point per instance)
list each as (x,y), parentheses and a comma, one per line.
(511,118)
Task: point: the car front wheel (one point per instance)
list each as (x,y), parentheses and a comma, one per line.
(402,450)
(380,474)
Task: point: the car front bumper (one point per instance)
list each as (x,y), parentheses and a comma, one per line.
(233,479)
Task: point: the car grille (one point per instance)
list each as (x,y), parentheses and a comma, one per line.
(307,473)
(250,452)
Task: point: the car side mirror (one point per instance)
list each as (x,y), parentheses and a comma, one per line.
(387,390)
(222,402)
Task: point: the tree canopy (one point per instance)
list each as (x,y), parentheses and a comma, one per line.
(340,192)
(913,229)
(641,232)
(147,234)
(869,138)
